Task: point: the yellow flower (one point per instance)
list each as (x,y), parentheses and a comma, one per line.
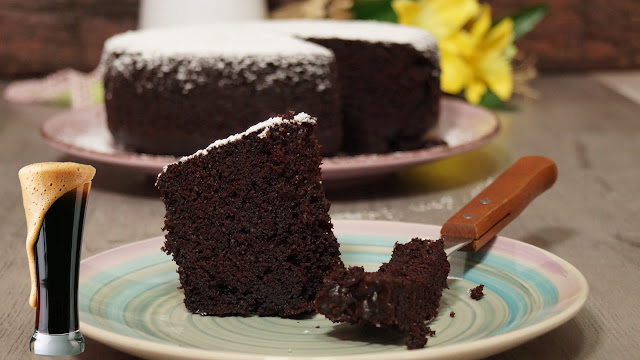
(474,55)
(441,18)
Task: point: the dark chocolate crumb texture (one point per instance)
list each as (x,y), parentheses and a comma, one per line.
(402,294)
(476,293)
(247,221)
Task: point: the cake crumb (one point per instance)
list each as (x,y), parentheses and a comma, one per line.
(476,293)
(452,314)
(417,338)
(348,294)
(317,326)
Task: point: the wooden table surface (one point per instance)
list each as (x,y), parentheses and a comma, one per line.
(590,125)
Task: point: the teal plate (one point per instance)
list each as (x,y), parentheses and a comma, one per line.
(129,299)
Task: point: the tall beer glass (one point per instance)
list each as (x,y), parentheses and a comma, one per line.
(55,200)
(57,255)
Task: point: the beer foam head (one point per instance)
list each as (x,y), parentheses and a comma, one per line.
(42,184)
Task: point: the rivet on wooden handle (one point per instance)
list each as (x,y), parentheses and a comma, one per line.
(500,202)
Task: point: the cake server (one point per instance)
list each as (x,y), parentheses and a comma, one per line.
(498,204)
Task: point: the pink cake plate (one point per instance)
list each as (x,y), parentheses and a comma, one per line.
(83,133)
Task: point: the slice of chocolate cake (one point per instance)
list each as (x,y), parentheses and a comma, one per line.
(402,294)
(247,221)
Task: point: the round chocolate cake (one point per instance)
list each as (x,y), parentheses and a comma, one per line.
(374,87)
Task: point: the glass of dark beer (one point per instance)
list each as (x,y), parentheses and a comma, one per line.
(57,256)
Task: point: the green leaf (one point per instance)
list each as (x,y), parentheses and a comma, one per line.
(374,10)
(527,19)
(97,92)
(491,101)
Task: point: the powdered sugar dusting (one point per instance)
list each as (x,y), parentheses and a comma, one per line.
(262,127)
(444,203)
(271,37)
(210,40)
(361,30)
(188,71)
(235,53)
(382,213)
(246,50)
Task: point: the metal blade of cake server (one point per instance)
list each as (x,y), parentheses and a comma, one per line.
(453,243)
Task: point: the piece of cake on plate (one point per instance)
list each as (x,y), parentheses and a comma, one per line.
(402,294)
(247,221)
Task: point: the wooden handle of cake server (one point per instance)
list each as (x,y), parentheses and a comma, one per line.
(504,199)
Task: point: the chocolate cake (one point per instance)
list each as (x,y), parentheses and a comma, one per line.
(247,221)
(402,294)
(373,86)
(389,80)
(174,91)
(477,292)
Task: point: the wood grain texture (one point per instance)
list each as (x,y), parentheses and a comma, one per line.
(41,36)
(589,217)
(581,35)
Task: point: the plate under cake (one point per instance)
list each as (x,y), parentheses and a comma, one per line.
(128,300)
(83,133)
